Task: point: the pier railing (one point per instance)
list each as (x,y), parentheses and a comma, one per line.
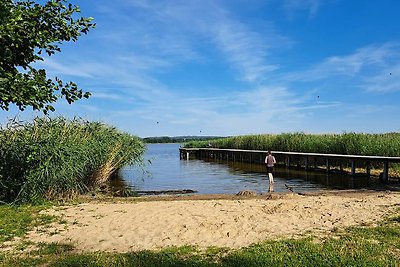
(300,159)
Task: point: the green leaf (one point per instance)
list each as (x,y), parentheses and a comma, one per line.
(27,29)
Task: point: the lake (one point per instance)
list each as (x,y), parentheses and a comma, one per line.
(168,172)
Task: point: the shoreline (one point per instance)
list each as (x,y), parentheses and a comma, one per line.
(264,195)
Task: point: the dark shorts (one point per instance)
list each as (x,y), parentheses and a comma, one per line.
(270,169)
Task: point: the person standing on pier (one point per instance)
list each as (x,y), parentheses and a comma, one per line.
(270,162)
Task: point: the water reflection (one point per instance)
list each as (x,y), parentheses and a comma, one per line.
(299,178)
(168,172)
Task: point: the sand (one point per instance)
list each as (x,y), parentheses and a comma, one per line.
(233,222)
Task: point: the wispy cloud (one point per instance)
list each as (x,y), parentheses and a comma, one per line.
(264,109)
(144,62)
(246,50)
(75,68)
(362,60)
(310,6)
(385,81)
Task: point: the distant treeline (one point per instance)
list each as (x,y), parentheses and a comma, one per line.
(178,139)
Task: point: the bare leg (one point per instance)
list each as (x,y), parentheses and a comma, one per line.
(271,178)
(271,182)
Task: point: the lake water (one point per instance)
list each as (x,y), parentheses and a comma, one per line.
(168,172)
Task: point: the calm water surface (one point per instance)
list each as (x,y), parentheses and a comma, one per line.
(168,172)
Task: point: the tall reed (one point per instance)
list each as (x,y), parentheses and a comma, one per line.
(51,158)
(387,144)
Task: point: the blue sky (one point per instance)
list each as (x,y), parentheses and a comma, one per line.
(235,67)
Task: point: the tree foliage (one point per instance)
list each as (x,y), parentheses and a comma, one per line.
(28,31)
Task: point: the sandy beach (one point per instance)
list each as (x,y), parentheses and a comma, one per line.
(223,221)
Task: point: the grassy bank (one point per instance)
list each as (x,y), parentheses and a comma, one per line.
(387,144)
(355,246)
(52,158)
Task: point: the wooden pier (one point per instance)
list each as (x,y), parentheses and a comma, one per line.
(296,159)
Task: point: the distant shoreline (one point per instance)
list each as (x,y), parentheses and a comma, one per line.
(177,139)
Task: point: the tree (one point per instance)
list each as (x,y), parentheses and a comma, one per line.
(28,30)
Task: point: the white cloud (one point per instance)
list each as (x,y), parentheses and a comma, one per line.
(372,56)
(175,28)
(245,49)
(385,81)
(311,6)
(263,109)
(144,62)
(75,69)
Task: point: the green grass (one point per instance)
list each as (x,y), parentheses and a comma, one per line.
(354,246)
(53,158)
(15,221)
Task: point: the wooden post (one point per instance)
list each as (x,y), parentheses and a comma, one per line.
(368,167)
(287,162)
(306,163)
(353,167)
(385,171)
(187,155)
(327,165)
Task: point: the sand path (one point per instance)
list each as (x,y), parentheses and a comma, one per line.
(222,222)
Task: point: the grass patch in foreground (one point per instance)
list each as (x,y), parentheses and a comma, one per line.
(355,246)
(16,221)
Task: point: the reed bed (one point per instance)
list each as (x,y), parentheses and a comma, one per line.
(387,144)
(53,158)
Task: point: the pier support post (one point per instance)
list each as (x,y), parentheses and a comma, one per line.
(306,163)
(368,168)
(327,165)
(287,162)
(187,155)
(353,167)
(385,171)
